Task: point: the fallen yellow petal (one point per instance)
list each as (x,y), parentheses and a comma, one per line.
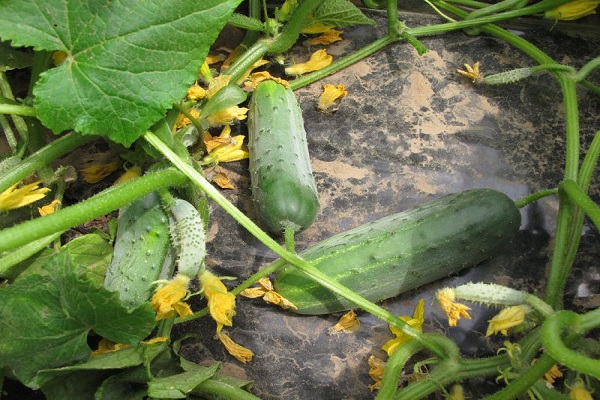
(49,208)
(348,323)
(227,116)
(108,346)
(96,172)
(130,174)
(330,95)
(316,27)
(326,38)
(319,59)
(196,93)
(573,10)
(241,353)
(257,77)
(182,120)
(222,180)
(265,290)
(376,369)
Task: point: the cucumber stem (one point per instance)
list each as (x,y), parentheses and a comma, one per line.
(288,233)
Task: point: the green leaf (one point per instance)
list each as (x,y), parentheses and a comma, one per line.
(45,320)
(178,386)
(228,96)
(127,61)
(130,384)
(13,59)
(340,13)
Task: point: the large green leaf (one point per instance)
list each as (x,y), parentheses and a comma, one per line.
(45,319)
(127,61)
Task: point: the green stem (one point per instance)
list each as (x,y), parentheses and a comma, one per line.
(42,157)
(590,320)
(9,261)
(293,259)
(531,198)
(9,135)
(104,202)
(581,200)
(393,368)
(555,346)
(288,234)
(587,69)
(14,109)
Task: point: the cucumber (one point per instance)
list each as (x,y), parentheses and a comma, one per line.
(188,238)
(141,248)
(400,252)
(283,188)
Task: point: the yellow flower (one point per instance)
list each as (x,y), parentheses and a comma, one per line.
(579,392)
(327,37)
(330,95)
(232,150)
(227,116)
(195,92)
(506,319)
(49,208)
(376,369)
(108,346)
(319,59)
(348,323)
(167,299)
(472,72)
(453,310)
(416,322)
(572,10)
(96,172)
(240,352)
(130,174)
(268,294)
(257,77)
(221,303)
(13,198)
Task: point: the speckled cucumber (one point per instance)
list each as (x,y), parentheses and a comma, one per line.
(395,254)
(283,188)
(140,250)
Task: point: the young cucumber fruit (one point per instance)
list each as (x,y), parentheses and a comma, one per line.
(395,254)
(283,188)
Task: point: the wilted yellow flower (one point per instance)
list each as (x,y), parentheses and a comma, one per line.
(453,310)
(579,392)
(182,120)
(234,150)
(221,303)
(195,92)
(227,116)
(257,77)
(319,59)
(222,180)
(327,37)
(167,299)
(130,174)
(376,369)
(49,208)
(14,197)
(268,294)
(472,72)
(257,64)
(96,172)
(416,322)
(573,10)
(330,95)
(506,319)
(552,374)
(348,323)
(243,354)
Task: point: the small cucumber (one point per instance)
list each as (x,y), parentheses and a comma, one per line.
(283,188)
(140,250)
(395,254)
(188,237)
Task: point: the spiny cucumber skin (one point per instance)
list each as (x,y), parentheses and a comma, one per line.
(140,249)
(395,254)
(283,188)
(188,236)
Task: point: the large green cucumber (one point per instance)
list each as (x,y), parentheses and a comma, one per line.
(395,254)
(283,188)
